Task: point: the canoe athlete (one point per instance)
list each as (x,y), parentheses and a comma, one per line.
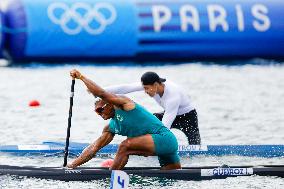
(146,135)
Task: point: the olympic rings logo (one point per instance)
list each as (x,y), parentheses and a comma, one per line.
(91,14)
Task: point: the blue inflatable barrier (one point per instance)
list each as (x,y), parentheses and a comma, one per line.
(16,29)
(145,29)
(1,34)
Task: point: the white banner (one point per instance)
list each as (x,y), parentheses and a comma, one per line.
(119,180)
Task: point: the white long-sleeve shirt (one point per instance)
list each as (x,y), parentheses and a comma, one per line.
(174,101)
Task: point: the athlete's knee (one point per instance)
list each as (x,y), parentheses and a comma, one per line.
(124,146)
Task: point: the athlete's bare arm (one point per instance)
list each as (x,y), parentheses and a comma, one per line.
(90,151)
(119,101)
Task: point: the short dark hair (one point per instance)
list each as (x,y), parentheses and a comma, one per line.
(99,100)
(149,78)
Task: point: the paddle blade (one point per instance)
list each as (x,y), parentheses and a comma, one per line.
(119,180)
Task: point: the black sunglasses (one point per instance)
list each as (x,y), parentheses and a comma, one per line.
(99,110)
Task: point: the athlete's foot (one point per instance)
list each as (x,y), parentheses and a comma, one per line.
(171,166)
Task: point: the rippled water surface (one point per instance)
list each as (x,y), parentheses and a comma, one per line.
(236,105)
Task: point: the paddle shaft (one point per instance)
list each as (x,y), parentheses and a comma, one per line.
(66,151)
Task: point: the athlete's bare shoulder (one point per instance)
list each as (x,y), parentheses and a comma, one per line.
(127,105)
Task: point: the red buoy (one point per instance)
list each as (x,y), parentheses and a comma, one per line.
(107,163)
(34,103)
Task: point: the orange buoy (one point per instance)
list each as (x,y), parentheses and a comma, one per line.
(107,163)
(34,103)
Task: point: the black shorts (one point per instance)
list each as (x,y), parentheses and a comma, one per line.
(188,124)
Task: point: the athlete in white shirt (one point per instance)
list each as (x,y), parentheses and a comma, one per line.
(178,110)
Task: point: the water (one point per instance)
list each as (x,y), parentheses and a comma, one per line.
(241,104)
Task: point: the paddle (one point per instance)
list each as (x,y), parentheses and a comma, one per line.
(69,123)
